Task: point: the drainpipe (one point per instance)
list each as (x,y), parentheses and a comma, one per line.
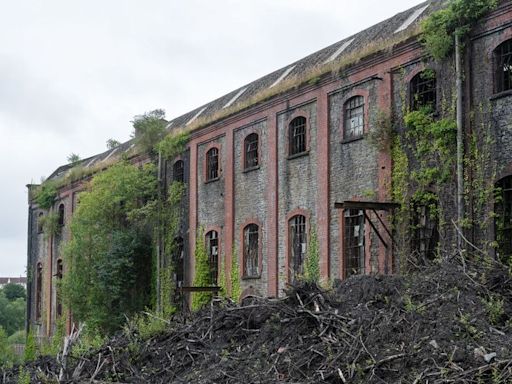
(460,140)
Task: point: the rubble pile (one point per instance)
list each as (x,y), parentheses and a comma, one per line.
(451,323)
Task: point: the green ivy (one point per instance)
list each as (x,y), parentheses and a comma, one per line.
(312,262)
(202,272)
(173,144)
(149,129)
(236,290)
(50,224)
(46,194)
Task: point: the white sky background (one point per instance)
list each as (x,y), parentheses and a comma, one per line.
(74,73)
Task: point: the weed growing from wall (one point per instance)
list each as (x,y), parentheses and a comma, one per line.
(312,262)
(149,129)
(45,195)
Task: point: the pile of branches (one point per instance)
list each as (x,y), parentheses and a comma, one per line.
(448,324)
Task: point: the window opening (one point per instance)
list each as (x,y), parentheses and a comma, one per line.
(423,90)
(354,117)
(59,276)
(503,220)
(179,262)
(251,150)
(212,164)
(251,244)
(178,171)
(40,222)
(503,58)
(426,233)
(354,242)
(297,134)
(39,290)
(212,245)
(298,244)
(61,215)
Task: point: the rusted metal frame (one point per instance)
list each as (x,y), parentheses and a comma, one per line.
(385,206)
(375,228)
(199,289)
(384,226)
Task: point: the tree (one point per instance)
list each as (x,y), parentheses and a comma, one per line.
(111,143)
(73,158)
(14,291)
(12,314)
(149,129)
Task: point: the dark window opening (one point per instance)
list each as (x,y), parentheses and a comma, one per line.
(61,215)
(212,247)
(423,91)
(503,60)
(251,150)
(39,290)
(212,164)
(298,246)
(426,232)
(40,222)
(251,251)
(178,171)
(59,276)
(503,220)
(354,242)
(297,135)
(179,262)
(354,118)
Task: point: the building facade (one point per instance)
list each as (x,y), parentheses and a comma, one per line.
(325,153)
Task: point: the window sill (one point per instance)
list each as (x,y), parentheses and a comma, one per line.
(212,180)
(246,170)
(352,139)
(251,277)
(297,155)
(500,95)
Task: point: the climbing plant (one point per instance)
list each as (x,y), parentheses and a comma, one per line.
(312,262)
(45,195)
(201,273)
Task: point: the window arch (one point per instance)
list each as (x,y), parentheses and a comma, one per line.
(503,220)
(212,164)
(40,221)
(61,215)
(353,110)
(422,90)
(59,275)
(212,247)
(251,155)
(39,290)
(503,66)
(178,171)
(298,245)
(251,250)
(297,135)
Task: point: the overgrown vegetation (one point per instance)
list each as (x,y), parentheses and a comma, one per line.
(201,272)
(45,195)
(12,322)
(312,262)
(149,129)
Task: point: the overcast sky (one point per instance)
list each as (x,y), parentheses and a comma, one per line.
(74,73)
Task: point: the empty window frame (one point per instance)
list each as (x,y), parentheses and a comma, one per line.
(40,222)
(423,90)
(298,246)
(212,164)
(61,215)
(251,158)
(426,232)
(354,118)
(178,171)
(58,299)
(503,220)
(251,251)
(353,241)
(297,135)
(503,66)
(212,247)
(39,290)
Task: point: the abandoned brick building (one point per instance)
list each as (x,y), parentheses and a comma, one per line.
(306,150)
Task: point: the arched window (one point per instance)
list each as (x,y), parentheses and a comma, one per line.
(39,290)
(503,220)
(297,135)
(353,241)
(503,66)
(178,171)
(425,223)
(423,90)
(251,251)
(251,151)
(212,247)
(40,221)
(59,275)
(61,215)
(354,118)
(298,245)
(212,164)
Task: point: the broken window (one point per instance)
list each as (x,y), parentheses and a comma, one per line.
(39,290)
(178,261)
(251,249)
(503,220)
(354,242)
(503,60)
(212,246)
(212,164)
(178,171)
(297,135)
(298,245)
(40,222)
(354,118)
(426,232)
(251,151)
(61,215)
(59,276)
(423,90)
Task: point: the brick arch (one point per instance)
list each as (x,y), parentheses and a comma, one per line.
(298,112)
(289,216)
(260,247)
(365,93)
(491,68)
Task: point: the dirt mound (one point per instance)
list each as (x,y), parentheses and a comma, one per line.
(448,324)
